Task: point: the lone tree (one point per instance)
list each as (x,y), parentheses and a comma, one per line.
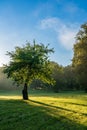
(27,63)
(80,56)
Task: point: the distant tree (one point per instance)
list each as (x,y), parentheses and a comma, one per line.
(28,63)
(79,60)
(70,79)
(57,75)
(65,77)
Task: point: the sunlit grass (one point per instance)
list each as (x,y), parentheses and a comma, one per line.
(10,97)
(71,107)
(43,111)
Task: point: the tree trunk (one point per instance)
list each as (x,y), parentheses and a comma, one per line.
(25,92)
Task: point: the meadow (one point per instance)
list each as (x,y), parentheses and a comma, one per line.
(43,111)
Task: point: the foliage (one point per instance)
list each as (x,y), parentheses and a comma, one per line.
(57,75)
(65,77)
(70,79)
(80,56)
(28,63)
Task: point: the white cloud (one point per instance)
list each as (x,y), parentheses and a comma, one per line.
(66,36)
(50,23)
(65,32)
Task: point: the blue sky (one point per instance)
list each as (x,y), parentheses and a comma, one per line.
(47,21)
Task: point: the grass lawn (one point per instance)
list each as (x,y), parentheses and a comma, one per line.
(43,111)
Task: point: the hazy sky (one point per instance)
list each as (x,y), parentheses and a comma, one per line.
(48,21)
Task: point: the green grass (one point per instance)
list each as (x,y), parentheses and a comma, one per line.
(43,111)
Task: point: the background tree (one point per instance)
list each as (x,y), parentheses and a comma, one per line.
(28,63)
(80,56)
(57,75)
(70,79)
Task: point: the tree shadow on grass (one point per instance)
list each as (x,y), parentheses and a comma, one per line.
(57,107)
(27,115)
(72,103)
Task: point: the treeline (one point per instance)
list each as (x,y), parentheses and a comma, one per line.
(65,79)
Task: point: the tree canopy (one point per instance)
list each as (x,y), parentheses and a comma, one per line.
(80,56)
(29,62)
